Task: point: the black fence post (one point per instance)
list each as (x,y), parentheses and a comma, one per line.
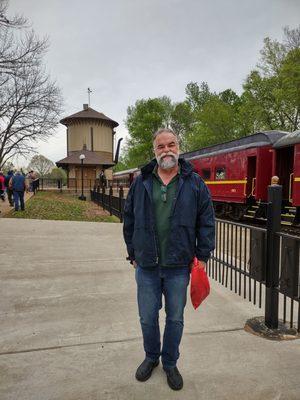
(97,194)
(103,197)
(272,264)
(121,195)
(110,199)
(42,184)
(59,185)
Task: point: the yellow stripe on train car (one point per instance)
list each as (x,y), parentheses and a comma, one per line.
(225,182)
(297,179)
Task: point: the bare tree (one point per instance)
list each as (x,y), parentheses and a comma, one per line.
(16,21)
(30,103)
(41,164)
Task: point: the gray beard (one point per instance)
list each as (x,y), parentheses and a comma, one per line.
(167,163)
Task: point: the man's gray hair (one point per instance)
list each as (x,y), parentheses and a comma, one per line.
(167,130)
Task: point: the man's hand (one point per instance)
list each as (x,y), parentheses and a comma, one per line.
(200,265)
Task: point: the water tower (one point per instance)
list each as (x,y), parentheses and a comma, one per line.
(89,133)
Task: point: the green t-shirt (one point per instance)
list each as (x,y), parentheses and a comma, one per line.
(163,199)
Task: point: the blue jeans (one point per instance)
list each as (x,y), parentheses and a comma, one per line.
(19,197)
(151,285)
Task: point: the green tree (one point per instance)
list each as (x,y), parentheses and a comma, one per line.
(182,123)
(144,118)
(271,93)
(58,173)
(214,117)
(197,96)
(289,91)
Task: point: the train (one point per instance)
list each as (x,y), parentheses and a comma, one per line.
(126,177)
(239,171)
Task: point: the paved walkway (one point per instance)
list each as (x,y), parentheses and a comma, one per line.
(6,208)
(69,328)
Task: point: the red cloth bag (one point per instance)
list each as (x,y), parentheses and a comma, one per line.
(200,287)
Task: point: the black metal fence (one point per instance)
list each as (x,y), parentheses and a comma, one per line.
(109,202)
(241,262)
(259,264)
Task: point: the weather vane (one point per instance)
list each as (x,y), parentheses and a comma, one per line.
(89,95)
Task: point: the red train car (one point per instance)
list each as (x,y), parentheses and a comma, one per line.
(286,166)
(237,172)
(125,178)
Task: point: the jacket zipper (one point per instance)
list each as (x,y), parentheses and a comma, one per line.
(153,230)
(156,250)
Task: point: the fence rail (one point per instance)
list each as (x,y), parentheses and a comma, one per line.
(109,202)
(259,264)
(69,184)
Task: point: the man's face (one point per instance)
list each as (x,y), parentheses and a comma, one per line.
(166,150)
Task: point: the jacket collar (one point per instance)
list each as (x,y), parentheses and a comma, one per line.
(186,168)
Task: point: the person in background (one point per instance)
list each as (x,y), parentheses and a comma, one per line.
(17,184)
(30,178)
(102,179)
(2,186)
(8,190)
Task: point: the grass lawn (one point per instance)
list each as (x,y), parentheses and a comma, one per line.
(61,206)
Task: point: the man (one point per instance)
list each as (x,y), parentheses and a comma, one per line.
(102,179)
(31,178)
(18,185)
(168,220)
(8,190)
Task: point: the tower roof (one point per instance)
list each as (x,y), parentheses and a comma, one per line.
(88,113)
(91,158)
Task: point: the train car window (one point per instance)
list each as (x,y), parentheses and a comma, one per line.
(220,173)
(206,173)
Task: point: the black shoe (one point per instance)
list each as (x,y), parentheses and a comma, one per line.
(144,371)
(174,378)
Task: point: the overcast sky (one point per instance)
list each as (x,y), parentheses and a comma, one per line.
(125,50)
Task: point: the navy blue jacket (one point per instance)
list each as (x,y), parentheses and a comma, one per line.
(7,178)
(18,183)
(192,230)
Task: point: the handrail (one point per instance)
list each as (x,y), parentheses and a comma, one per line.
(290,187)
(245,187)
(253,186)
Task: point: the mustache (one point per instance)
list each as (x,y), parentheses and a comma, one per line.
(169,154)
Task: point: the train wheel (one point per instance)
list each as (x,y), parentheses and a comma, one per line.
(297,216)
(237,212)
(219,210)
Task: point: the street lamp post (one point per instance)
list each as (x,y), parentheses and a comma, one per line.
(82,157)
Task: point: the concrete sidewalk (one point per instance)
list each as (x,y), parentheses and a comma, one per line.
(69,328)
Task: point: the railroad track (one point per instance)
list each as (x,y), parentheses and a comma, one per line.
(288,228)
(287,218)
